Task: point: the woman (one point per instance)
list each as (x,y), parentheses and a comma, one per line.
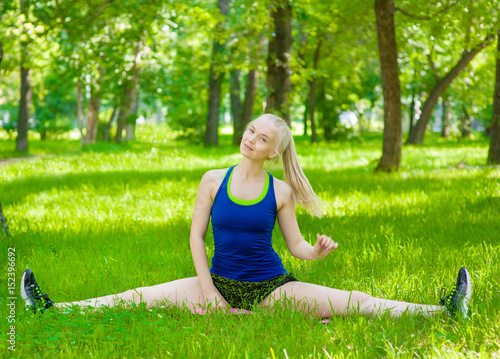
(243,203)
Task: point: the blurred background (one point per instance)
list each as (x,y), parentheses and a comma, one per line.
(93,70)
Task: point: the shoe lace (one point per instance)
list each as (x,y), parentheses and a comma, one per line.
(443,296)
(39,296)
(447,300)
(446,297)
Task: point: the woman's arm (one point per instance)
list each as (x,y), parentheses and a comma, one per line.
(287,221)
(201,217)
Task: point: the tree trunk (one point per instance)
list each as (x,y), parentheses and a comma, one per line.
(278,67)
(251,88)
(417,134)
(235,104)
(301,52)
(130,132)
(130,127)
(3,222)
(25,100)
(1,53)
(494,151)
(466,120)
(110,122)
(79,109)
(327,115)
(306,113)
(128,102)
(24,110)
(93,117)
(312,105)
(391,151)
(312,92)
(212,135)
(446,121)
(215,81)
(412,110)
(122,115)
(159,112)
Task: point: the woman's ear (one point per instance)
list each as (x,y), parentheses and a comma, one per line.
(274,154)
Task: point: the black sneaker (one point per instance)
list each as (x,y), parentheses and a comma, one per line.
(31,293)
(457,302)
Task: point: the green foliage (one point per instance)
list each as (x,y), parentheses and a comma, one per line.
(113,217)
(54,110)
(99,42)
(431,41)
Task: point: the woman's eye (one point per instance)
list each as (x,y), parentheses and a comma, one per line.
(263,139)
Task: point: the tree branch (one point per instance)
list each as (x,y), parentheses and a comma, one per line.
(61,16)
(100,11)
(444,9)
(433,66)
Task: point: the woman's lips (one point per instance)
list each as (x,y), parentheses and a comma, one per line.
(247,147)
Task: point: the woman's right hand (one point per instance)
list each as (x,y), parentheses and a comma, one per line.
(214,300)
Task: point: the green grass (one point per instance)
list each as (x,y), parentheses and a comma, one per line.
(114,217)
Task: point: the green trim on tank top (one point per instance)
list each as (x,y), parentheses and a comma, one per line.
(247,202)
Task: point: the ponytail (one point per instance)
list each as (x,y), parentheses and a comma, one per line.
(294,176)
(302,190)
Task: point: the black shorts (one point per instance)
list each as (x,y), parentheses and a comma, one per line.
(243,295)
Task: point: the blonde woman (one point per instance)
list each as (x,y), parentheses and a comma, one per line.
(243,203)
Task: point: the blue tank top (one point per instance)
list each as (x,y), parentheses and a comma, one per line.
(243,234)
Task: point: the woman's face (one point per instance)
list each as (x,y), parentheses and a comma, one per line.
(259,140)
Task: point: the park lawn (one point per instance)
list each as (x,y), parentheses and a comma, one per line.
(113,217)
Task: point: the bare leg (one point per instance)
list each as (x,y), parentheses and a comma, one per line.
(179,292)
(324,302)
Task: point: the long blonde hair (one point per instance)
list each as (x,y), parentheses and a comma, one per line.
(301,188)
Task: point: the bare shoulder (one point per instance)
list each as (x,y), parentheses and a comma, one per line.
(212,180)
(214,175)
(283,192)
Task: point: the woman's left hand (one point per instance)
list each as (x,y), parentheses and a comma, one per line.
(324,245)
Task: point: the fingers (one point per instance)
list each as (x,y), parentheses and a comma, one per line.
(213,303)
(326,243)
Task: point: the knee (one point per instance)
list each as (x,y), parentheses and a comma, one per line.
(132,295)
(359,297)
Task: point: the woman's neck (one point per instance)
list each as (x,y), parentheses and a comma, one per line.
(250,170)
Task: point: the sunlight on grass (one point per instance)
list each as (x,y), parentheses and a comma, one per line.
(112,217)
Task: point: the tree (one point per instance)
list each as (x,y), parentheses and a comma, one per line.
(334,41)
(79,108)
(25,96)
(494,150)
(433,55)
(312,91)
(278,60)
(391,152)
(96,93)
(234,92)
(418,131)
(250,91)
(247,21)
(128,103)
(215,81)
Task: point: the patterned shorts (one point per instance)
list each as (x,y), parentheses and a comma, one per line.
(244,295)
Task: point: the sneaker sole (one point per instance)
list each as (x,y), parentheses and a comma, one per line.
(28,297)
(464,305)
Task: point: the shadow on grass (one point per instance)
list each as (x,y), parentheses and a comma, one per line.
(74,147)
(338,183)
(117,256)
